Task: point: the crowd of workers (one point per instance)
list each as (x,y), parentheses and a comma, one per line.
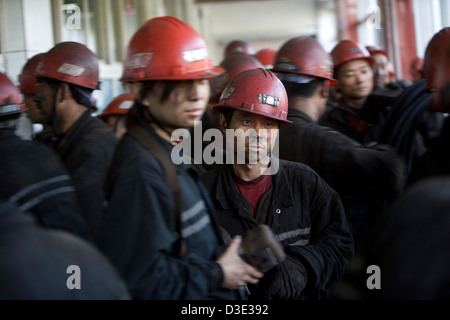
(332,152)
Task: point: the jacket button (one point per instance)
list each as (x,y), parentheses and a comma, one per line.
(278,211)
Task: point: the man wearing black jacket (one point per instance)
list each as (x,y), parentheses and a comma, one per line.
(361,175)
(38,263)
(33,177)
(304,213)
(158,228)
(358,114)
(435,161)
(66,79)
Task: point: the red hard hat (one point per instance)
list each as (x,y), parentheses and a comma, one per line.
(118,106)
(374,50)
(233,65)
(266,57)
(10,99)
(257,91)
(27,78)
(348,50)
(166,48)
(71,62)
(239,47)
(304,56)
(432,54)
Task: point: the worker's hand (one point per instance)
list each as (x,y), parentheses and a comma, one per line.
(236,271)
(284,282)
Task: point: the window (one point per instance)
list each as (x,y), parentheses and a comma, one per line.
(445,9)
(427,23)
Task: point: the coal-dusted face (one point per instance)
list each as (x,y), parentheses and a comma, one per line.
(255,135)
(45,99)
(33,112)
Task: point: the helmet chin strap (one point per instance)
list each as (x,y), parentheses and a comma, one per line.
(116,124)
(54,114)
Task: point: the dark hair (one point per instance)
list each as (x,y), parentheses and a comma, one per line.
(303,90)
(54,84)
(228,114)
(336,72)
(80,94)
(168,87)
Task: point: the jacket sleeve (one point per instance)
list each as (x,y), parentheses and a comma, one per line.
(138,235)
(330,246)
(88,169)
(286,281)
(350,168)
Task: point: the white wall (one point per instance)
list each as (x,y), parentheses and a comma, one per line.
(26,29)
(427,23)
(327,32)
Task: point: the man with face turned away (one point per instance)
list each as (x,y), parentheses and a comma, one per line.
(67,77)
(256,188)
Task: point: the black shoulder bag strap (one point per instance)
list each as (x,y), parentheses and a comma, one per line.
(152,145)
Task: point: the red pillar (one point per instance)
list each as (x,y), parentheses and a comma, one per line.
(407,35)
(400,34)
(347,18)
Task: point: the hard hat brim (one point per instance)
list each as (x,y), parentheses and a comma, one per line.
(221,108)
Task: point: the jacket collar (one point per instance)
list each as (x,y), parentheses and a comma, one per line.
(136,116)
(294,113)
(227,195)
(73,133)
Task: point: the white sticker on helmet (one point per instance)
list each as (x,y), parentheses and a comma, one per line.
(38,66)
(139,60)
(71,70)
(126,105)
(227,92)
(195,55)
(354,51)
(270,100)
(327,65)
